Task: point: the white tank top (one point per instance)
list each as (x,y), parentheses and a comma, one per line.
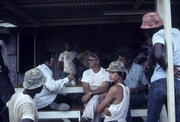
(119,111)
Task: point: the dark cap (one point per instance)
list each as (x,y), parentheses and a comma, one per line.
(97,55)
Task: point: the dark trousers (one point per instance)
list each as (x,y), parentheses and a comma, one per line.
(157,97)
(59,99)
(63,99)
(6,87)
(2,105)
(4,114)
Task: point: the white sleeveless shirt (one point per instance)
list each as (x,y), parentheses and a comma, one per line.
(119,111)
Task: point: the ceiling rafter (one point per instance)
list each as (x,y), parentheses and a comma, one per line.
(18,11)
(76,12)
(77,4)
(89,21)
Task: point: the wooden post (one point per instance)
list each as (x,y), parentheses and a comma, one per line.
(34,49)
(170,70)
(159,8)
(17,61)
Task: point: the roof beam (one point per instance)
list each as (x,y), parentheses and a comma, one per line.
(88,21)
(78,4)
(18,11)
(117,13)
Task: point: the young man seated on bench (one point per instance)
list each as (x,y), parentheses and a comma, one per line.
(48,97)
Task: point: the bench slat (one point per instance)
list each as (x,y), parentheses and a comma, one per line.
(59,114)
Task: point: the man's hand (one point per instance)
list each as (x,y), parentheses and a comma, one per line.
(107,112)
(86,97)
(133,90)
(70,77)
(176,72)
(5,69)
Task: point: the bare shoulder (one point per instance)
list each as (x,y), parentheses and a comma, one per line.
(116,89)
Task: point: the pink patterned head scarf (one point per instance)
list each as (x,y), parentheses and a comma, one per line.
(151,20)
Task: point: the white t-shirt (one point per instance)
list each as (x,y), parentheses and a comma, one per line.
(21,106)
(159,37)
(95,80)
(4,53)
(67,58)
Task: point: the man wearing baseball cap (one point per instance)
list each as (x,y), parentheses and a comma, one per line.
(153,26)
(21,105)
(95,83)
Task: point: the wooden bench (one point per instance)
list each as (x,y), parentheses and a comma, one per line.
(142,112)
(139,112)
(75,111)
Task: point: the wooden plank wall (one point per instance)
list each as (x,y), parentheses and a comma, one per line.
(106,38)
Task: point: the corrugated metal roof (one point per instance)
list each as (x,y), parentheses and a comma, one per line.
(36,13)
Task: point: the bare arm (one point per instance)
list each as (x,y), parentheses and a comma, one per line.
(103,89)
(113,92)
(86,87)
(60,66)
(158,55)
(89,93)
(27,120)
(176,71)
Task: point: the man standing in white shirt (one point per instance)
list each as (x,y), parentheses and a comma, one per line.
(21,105)
(95,83)
(153,26)
(48,97)
(65,61)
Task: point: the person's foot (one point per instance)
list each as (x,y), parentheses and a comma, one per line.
(60,107)
(85,119)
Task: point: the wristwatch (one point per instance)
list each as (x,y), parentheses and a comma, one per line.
(90,93)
